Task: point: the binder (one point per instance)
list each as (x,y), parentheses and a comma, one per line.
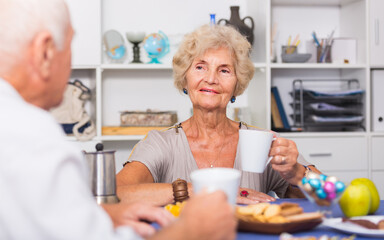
(276,118)
(378,100)
(279,103)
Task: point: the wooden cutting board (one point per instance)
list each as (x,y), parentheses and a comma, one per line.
(129,130)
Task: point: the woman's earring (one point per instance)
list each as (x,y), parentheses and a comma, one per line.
(233,99)
(185,91)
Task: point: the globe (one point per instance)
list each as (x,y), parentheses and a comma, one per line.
(156,45)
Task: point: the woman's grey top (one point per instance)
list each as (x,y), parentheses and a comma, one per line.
(168,156)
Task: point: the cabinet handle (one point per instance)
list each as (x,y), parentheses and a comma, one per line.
(320,154)
(377,39)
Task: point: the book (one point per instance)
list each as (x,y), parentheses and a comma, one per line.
(276,119)
(279,103)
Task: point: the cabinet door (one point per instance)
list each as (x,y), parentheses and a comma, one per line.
(347,176)
(377,32)
(378,179)
(377,100)
(335,153)
(378,153)
(86,21)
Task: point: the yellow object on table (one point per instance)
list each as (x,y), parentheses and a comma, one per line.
(176,208)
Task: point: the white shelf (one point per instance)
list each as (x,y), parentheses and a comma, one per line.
(84,67)
(122,138)
(377,66)
(138,66)
(311,2)
(317,66)
(259,65)
(323,134)
(377,134)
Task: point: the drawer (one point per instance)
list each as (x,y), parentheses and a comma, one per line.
(377,153)
(334,153)
(347,176)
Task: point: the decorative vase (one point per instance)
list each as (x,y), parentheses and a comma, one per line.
(239,23)
(135,38)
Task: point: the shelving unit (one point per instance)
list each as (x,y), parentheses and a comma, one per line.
(125,86)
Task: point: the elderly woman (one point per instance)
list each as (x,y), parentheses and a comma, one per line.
(212,66)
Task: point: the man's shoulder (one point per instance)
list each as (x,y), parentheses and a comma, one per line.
(23,116)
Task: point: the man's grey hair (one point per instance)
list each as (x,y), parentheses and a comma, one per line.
(21,20)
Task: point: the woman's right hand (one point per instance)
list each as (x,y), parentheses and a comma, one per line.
(253,197)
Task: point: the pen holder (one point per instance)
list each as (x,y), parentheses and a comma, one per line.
(289,49)
(289,55)
(324,54)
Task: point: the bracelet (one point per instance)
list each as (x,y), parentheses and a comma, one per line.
(180,190)
(307,170)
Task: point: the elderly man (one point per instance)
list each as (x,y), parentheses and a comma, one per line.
(43,189)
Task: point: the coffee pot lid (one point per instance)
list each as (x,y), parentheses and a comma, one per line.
(99,150)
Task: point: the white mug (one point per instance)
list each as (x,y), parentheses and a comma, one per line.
(212,179)
(254,149)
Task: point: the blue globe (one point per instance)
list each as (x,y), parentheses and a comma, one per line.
(156,45)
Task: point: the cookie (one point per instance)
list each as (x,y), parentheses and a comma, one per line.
(247,210)
(380,224)
(272,210)
(277,219)
(258,209)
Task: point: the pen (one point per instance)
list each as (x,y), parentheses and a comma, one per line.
(289,40)
(315,38)
(329,40)
(292,49)
(296,39)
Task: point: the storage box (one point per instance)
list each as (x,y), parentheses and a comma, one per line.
(344,50)
(148,118)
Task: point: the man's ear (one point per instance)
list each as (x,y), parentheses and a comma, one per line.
(43,50)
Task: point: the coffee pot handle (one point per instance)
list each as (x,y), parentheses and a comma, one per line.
(252,23)
(225,20)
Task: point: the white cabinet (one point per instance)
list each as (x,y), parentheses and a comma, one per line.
(343,156)
(86,21)
(376,23)
(335,153)
(119,87)
(377,153)
(378,163)
(377,100)
(378,179)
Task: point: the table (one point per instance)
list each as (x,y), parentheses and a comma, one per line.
(317,232)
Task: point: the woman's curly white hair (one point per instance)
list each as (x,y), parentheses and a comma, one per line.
(207,37)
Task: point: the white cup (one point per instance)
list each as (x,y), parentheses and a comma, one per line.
(212,179)
(254,149)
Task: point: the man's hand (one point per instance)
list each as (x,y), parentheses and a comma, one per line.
(135,214)
(208,216)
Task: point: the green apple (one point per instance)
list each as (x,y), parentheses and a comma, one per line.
(375,198)
(355,201)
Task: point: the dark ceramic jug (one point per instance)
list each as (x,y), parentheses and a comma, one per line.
(239,23)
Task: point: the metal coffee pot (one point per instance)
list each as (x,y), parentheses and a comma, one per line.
(102,174)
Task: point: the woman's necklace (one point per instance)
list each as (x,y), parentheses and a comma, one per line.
(218,156)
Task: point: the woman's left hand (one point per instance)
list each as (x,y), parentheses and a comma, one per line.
(252,197)
(284,159)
